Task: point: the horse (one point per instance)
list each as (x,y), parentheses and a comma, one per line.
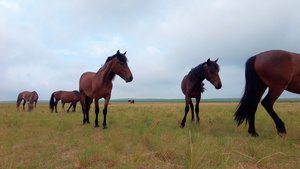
(99,85)
(31,97)
(65,97)
(192,85)
(277,70)
(131,101)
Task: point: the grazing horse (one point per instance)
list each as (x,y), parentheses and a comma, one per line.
(99,85)
(65,97)
(131,101)
(277,70)
(192,85)
(31,97)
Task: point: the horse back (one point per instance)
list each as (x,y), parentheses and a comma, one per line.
(276,67)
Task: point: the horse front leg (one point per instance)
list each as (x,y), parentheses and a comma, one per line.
(105,112)
(186,110)
(69,107)
(96,112)
(24,105)
(268,103)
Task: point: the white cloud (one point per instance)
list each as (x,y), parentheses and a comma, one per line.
(59,40)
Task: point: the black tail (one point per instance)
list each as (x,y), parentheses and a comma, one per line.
(19,100)
(253,92)
(51,103)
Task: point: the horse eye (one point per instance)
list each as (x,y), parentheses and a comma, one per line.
(121,63)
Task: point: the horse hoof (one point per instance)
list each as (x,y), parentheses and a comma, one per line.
(104,127)
(254,134)
(281,132)
(182,126)
(96,126)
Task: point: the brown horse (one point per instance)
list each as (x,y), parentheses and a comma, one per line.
(65,97)
(31,97)
(131,101)
(99,85)
(277,70)
(192,85)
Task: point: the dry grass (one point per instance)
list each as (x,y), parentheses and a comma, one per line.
(147,135)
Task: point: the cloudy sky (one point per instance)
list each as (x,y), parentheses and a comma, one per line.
(46,45)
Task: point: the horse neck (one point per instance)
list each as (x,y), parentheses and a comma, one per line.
(105,73)
(197,74)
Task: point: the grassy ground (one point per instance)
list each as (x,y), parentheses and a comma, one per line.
(147,135)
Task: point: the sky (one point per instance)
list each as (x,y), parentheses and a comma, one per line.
(46,45)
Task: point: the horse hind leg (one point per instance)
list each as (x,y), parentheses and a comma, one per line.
(186,110)
(197,109)
(24,105)
(268,103)
(192,111)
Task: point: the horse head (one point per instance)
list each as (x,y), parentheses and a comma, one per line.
(120,67)
(211,72)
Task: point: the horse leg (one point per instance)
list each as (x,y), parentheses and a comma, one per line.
(55,105)
(187,101)
(192,110)
(24,105)
(105,112)
(83,106)
(63,107)
(197,108)
(74,106)
(268,103)
(88,102)
(69,107)
(96,112)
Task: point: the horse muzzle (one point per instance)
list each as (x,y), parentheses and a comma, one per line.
(218,86)
(129,79)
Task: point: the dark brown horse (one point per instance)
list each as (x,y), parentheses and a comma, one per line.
(31,97)
(131,101)
(99,85)
(192,85)
(65,97)
(277,70)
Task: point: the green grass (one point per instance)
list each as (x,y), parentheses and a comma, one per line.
(147,135)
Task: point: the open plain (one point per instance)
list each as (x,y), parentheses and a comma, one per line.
(147,135)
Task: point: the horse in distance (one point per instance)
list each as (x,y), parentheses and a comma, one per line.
(97,85)
(277,70)
(65,97)
(192,85)
(31,97)
(131,101)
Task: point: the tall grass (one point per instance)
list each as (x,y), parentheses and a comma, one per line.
(147,135)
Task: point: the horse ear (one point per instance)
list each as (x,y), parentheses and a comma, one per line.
(124,53)
(208,61)
(216,60)
(118,52)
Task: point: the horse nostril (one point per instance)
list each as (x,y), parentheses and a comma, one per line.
(129,79)
(218,86)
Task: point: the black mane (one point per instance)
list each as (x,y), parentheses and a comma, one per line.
(198,72)
(120,56)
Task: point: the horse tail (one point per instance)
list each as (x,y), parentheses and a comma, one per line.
(19,99)
(51,103)
(252,93)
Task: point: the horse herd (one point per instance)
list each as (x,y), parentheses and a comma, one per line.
(277,70)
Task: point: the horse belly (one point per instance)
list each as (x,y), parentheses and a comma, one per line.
(294,86)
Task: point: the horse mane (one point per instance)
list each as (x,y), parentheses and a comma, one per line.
(198,72)
(120,57)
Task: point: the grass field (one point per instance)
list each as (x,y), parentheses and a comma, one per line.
(147,135)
